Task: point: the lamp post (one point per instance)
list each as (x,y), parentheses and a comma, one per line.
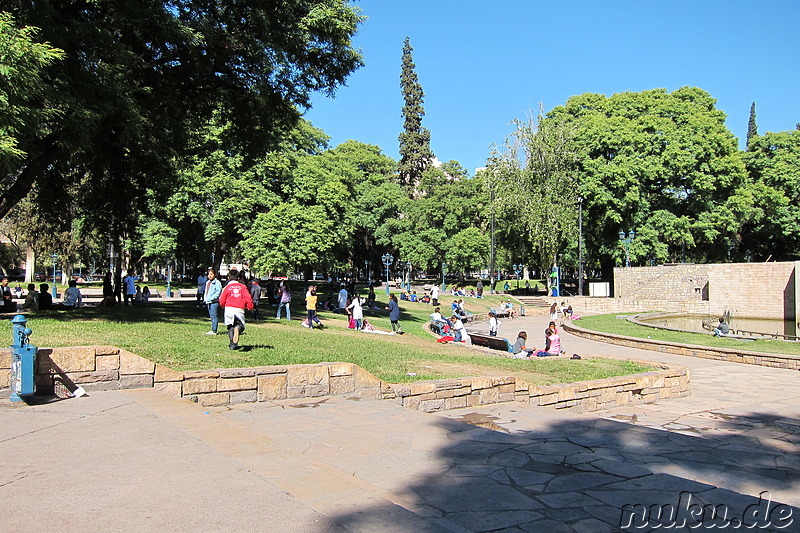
(444,275)
(517,270)
(580,245)
(367,265)
(169,279)
(387,259)
(626,243)
(54,290)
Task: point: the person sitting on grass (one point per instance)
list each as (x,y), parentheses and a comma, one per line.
(45,300)
(413,296)
(458,329)
(519,349)
(72,297)
(552,344)
(31,300)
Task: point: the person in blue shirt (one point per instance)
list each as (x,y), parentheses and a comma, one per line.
(211,299)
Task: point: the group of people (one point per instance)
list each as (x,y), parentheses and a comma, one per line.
(449,327)
(234,298)
(40,300)
(552,344)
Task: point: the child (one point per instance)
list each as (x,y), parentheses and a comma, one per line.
(493,324)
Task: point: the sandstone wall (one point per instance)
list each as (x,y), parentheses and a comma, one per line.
(94,368)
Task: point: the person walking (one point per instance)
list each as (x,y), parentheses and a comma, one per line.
(311,307)
(394,314)
(285,301)
(234,299)
(211,299)
(435,295)
(202,280)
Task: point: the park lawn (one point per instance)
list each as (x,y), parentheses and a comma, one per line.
(620,326)
(172,333)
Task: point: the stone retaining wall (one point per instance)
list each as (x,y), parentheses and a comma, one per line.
(774,360)
(104,368)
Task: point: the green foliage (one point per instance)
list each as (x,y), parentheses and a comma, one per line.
(769,207)
(663,163)
(415,140)
(752,129)
(535,190)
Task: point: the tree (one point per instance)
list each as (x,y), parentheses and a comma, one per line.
(23,60)
(769,207)
(653,152)
(536,195)
(415,140)
(752,129)
(139,76)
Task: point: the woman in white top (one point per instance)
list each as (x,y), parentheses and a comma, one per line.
(493,324)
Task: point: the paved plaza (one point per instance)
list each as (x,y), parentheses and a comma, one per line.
(139,460)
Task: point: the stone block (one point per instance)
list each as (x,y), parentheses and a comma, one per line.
(92,377)
(246,396)
(373,393)
(422,387)
(427,396)
(106,362)
(234,384)
(430,406)
(507,397)
(548,399)
(364,379)
(135,381)
(508,387)
(75,359)
(165,373)
(201,374)
(447,384)
(340,369)
(456,402)
(401,390)
(566,392)
(199,386)
(5,378)
(5,358)
(99,386)
(473,399)
(462,391)
(299,376)
(213,398)
(411,402)
(271,387)
(237,372)
(481,382)
(496,381)
(106,350)
(130,363)
(170,388)
(624,398)
(308,391)
(260,370)
(448,393)
(342,384)
(488,396)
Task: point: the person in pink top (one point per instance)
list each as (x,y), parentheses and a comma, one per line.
(552,344)
(235,298)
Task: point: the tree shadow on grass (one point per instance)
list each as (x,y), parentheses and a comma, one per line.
(595,474)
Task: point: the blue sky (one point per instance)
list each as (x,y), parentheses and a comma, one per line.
(482,64)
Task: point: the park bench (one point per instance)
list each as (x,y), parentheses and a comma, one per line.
(186,293)
(495,343)
(498,313)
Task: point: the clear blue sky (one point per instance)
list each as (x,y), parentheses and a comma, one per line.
(482,64)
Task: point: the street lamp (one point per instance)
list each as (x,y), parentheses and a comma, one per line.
(54,290)
(626,243)
(444,274)
(387,260)
(580,245)
(367,265)
(517,270)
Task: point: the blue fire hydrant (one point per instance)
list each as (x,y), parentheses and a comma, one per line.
(23,361)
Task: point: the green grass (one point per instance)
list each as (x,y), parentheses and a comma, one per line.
(612,324)
(172,333)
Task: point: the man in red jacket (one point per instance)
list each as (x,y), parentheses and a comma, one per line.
(235,298)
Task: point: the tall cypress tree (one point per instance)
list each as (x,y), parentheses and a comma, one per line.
(415,141)
(752,129)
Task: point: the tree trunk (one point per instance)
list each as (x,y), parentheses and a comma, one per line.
(30,265)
